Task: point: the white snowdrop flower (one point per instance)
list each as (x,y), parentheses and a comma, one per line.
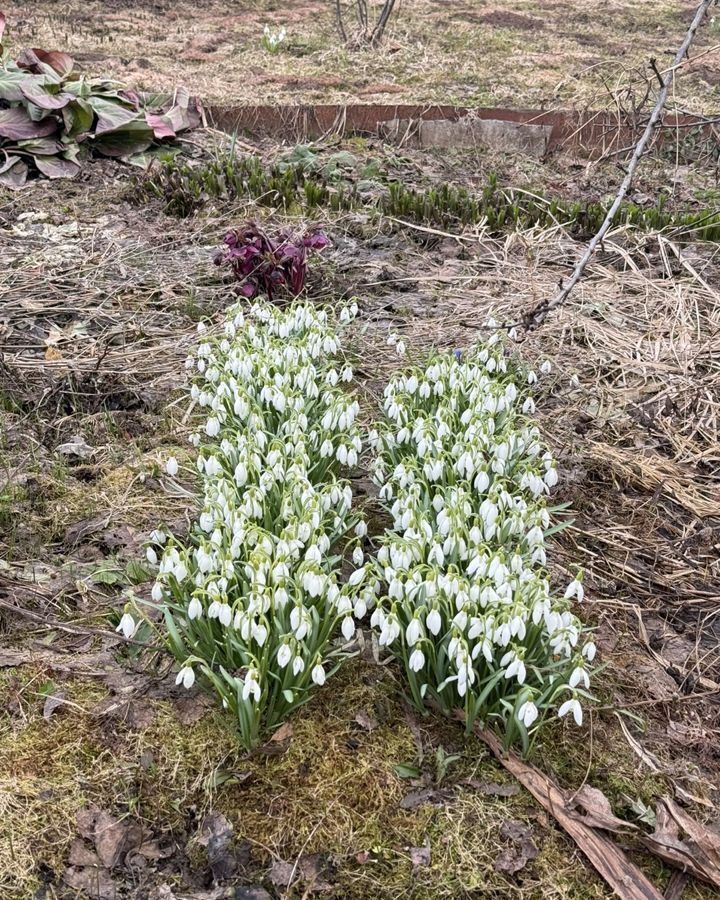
(546,367)
(360,529)
(225,614)
(318,675)
(575,589)
(151,556)
(171,466)
(574,381)
(417,660)
(356,577)
(531,378)
(358,556)
(528,406)
(201,327)
(251,686)
(186,677)
(400,348)
(579,674)
(284,655)
(551,477)
(392,339)
(158,536)
(212,427)
(298,665)
(127,625)
(589,651)
(157,592)
(413,632)
(573,706)
(433,622)
(527,713)
(195,609)
(348,628)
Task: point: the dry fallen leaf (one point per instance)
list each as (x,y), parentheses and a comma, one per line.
(521,850)
(365,721)
(698,851)
(283,733)
(420,856)
(52,702)
(597,812)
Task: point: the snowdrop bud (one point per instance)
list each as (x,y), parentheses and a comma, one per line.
(151,556)
(284,655)
(186,677)
(318,675)
(171,466)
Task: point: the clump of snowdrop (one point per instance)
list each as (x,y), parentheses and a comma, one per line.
(253,601)
(466,604)
(272,40)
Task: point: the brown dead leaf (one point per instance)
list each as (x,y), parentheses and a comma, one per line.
(52,354)
(366,721)
(281,872)
(81,854)
(111,837)
(282,734)
(192,708)
(52,702)
(308,869)
(521,850)
(597,812)
(135,713)
(420,856)
(216,834)
(417,798)
(491,789)
(697,852)
(92,882)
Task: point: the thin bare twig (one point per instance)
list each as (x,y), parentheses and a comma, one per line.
(536,316)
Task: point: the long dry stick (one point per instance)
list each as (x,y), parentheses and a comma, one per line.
(539,313)
(626,880)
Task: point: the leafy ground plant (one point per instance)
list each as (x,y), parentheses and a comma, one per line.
(50,117)
(264,264)
(467,606)
(253,601)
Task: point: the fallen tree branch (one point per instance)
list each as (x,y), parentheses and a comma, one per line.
(536,316)
(622,875)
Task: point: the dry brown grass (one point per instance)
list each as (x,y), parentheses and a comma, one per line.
(527,54)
